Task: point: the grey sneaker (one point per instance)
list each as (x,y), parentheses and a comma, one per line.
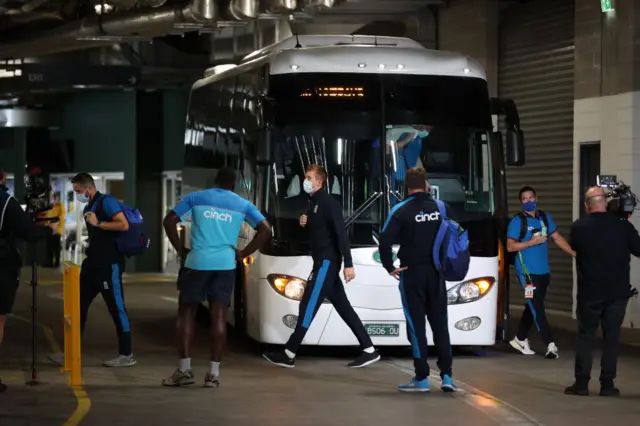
(211,381)
(179,378)
(121,361)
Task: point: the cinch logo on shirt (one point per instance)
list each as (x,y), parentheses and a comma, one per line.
(427,217)
(214,215)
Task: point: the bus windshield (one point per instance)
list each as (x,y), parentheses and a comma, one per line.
(366,130)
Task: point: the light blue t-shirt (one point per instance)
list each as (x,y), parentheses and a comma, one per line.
(216,219)
(536,258)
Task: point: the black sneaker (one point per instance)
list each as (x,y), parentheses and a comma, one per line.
(364,359)
(609,391)
(575,389)
(279,358)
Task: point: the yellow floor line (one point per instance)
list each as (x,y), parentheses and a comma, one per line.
(83,401)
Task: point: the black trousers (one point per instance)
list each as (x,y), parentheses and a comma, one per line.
(424,294)
(107,281)
(54,249)
(608,314)
(325,282)
(534,310)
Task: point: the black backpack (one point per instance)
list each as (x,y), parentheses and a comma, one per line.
(523,231)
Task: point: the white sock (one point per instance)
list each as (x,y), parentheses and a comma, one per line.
(289,353)
(185,364)
(214,369)
(369,350)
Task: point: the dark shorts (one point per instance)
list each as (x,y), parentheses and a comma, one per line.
(9,280)
(200,286)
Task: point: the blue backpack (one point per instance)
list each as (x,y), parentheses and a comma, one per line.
(135,240)
(451,248)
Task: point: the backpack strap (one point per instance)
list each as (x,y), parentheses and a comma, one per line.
(4,210)
(442,209)
(543,216)
(523,226)
(97,203)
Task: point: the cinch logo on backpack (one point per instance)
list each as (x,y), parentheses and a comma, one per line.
(451,248)
(135,240)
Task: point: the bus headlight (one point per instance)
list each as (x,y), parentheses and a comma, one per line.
(469,291)
(288,286)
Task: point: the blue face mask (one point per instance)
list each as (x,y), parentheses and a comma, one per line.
(82,198)
(529,206)
(423,133)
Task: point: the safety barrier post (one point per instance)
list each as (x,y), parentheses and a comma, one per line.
(72,345)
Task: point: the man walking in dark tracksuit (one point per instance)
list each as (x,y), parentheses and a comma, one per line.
(329,246)
(102,270)
(413,224)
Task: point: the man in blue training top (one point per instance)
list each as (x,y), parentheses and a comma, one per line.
(209,271)
(527,235)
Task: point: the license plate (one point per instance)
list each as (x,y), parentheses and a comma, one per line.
(383,330)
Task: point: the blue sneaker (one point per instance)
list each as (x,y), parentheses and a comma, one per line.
(415,386)
(447,384)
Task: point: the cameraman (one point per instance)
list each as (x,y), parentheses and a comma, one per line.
(604,243)
(14,223)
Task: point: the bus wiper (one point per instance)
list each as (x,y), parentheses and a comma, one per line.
(363,207)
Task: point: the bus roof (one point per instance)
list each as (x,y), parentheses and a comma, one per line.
(332,40)
(351,54)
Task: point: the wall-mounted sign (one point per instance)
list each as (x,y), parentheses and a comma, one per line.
(607,5)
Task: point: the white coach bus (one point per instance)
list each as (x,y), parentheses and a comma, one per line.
(331,100)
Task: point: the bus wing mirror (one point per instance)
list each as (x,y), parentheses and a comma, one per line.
(264,151)
(515,148)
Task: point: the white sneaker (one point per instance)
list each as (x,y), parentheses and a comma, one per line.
(552,351)
(121,361)
(522,346)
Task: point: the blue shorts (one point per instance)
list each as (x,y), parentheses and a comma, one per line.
(200,286)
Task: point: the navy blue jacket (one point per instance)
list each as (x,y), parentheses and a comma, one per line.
(412,224)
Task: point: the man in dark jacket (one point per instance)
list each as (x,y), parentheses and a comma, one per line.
(413,224)
(14,224)
(329,248)
(604,243)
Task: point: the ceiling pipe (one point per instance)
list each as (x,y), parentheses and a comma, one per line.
(239,10)
(97,31)
(279,6)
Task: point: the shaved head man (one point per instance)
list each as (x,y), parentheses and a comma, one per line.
(595,200)
(604,243)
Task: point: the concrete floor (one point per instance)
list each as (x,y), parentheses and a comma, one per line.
(498,386)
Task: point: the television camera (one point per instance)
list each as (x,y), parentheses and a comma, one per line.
(622,201)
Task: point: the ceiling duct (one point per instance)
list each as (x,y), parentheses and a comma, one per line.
(316,5)
(279,6)
(239,10)
(112,28)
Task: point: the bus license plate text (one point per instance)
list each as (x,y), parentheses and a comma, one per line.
(383,330)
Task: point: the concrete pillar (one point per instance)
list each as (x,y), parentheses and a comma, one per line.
(607,101)
(471,27)
(148,175)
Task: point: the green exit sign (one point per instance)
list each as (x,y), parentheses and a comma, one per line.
(607,5)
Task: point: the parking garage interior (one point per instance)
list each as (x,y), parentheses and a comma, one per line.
(102,86)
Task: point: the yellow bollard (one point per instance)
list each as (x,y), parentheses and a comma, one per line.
(72,344)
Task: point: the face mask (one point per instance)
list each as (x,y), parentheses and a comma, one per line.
(82,198)
(423,133)
(307,186)
(529,206)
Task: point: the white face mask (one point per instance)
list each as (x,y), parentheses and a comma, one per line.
(307,186)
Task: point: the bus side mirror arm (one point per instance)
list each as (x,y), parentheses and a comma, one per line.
(515,136)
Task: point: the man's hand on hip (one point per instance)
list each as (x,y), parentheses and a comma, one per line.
(396,272)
